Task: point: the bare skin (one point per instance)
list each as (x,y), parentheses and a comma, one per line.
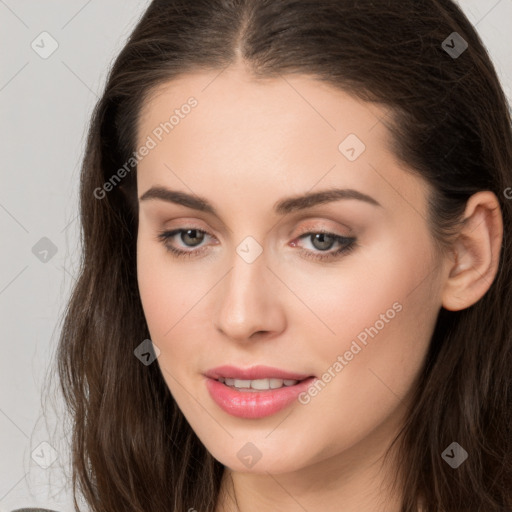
(244,147)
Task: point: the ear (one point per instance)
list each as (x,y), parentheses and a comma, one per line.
(477,252)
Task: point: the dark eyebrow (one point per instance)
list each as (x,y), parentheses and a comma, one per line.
(282,207)
(308,200)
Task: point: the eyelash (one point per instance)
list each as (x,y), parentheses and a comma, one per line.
(349,244)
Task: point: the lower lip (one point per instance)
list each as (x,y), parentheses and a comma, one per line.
(254,404)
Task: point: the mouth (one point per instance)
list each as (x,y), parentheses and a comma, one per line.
(256,385)
(258,374)
(255,392)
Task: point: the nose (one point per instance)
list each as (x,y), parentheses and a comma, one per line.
(249,305)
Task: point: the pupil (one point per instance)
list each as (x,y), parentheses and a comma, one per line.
(321,237)
(194,232)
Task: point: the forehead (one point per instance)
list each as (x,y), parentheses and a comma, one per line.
(233,100)
(265,136)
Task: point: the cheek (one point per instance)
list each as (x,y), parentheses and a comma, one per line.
(166,294)
(384,316)
(378,315)
(381,356)
(173,297)
(155,302)
(377,288)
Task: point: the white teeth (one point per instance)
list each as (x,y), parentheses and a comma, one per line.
(258,384)
(241,383)
(275,383)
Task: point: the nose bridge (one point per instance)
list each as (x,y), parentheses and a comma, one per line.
(247,302)
(245,284)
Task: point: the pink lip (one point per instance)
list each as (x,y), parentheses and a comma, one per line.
(254,404)
(253,373)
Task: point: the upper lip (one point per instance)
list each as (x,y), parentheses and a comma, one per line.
(253,373)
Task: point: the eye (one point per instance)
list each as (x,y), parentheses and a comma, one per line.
(187,235)
(322,241)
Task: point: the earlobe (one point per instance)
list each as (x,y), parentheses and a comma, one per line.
(477,252)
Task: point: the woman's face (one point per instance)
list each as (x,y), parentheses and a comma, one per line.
(259,284)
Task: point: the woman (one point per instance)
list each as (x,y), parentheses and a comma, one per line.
(338,336)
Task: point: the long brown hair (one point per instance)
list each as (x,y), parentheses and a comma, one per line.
(132,448)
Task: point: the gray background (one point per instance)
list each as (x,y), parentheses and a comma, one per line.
(45,104)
